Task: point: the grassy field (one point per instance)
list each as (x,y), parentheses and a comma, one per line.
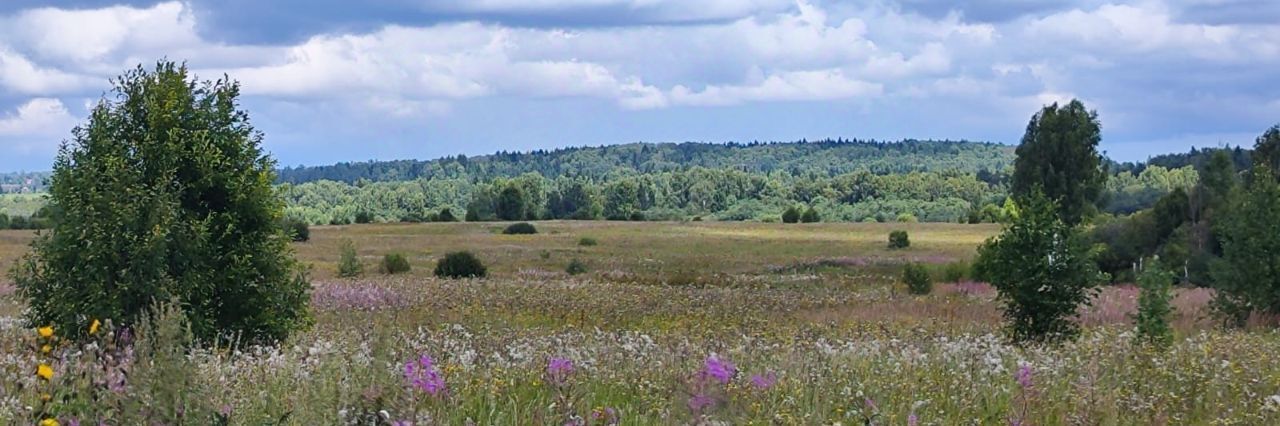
(811,317)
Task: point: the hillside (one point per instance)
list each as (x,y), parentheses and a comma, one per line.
(821,158)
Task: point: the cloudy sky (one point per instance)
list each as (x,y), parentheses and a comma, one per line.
(331,81)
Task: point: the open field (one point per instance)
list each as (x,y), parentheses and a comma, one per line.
(816,306)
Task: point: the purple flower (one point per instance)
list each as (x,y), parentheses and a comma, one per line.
(424,376)
(871,405)
(559,370)
(1024,376)
(402,423)
(718,369)
(765,381)
(912,420)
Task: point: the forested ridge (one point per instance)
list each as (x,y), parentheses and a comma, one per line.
(825,158)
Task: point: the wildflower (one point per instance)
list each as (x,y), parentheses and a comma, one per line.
(765,381)
(1024,376)
(46,397)
(93,327)
(912,420)
(45,349)
(718,369)
(558,370)
(44,371)
(45,332)
(49,422)
(424,376)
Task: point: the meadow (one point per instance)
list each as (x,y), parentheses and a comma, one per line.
(672,323)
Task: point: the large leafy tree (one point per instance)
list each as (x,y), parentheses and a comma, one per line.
(165,194)
(1059,156)
(1247,276)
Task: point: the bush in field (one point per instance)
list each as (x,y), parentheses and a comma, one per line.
(899,240)
(1042,272)
(446,216)
(576,267)
(908,218)
(522,228)
(916,277)
(348,263)
(460,264)
(394,263)
(1154,307)
(955,272)
(166,192)
(587,241)
(791,215)
(364,217)
(297,229)
(810,216)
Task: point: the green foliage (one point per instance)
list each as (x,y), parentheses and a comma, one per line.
(1154,304)
(166,193)
(394,263)
(791,215)
(1266,149)
(1042,272)
(511,204)
(1059,156)
(460,264)
(164,336)
(916,277)
(521,228)
(576,267)
(955,272)
(898,239)
(907,218)
(810,216)
(587,241)
(1246,277)
(348,261)
(445,215)
(363,217)
(297,230)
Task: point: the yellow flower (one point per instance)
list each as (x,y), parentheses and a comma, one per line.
(45,332)
(44,371)
(45,397)
(93,328)
(49,422)
(45,349)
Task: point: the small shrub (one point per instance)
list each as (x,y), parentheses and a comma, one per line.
(576,267)
(364,217)
(522,228)
(955,272)
(636,217)
(907,218)
(697,218)
(899,240)
(1154,307)
(791,215)
(446,216)
(348,263)
(545,254)
(394,263)
(460,264)
(916,277)
(810,216)
(587,241)
(298,230)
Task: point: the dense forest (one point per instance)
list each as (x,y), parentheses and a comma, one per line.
(939,181)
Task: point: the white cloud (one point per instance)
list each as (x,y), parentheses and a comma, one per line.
(791,86)
(21,75)
(1149,27)
(89,35)
(660,10)
(37,125)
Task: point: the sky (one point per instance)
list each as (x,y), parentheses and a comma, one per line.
(335,80)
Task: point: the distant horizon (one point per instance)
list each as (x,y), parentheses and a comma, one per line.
(282,165)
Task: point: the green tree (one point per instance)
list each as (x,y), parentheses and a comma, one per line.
(1154,307)
(166,194)
(1041,270)
(791,215)
(916,277)
(1059,156)
(348,260)
(810,216)
(1266,150)
(1247,277)
(510,204)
